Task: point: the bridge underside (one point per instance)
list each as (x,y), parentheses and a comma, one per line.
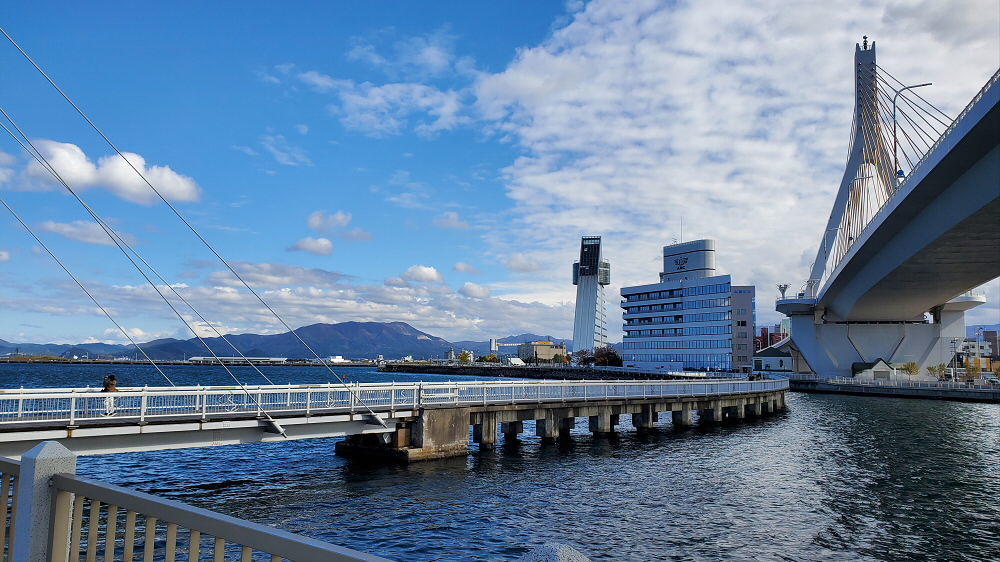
(124,435)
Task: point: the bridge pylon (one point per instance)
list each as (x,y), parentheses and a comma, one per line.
(900,251)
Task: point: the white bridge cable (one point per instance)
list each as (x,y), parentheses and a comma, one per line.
(184,220)
(121,244)
(80,284)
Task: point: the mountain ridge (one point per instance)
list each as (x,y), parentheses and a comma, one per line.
(355,340)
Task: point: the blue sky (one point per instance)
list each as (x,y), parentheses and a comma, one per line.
(436,163)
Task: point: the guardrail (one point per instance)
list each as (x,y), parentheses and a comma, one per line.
(73,406)
(92,512)
(74,518)
(944,385)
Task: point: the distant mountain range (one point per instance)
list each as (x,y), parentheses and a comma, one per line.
(354,340)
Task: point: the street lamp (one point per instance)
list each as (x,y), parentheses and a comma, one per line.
(895,143)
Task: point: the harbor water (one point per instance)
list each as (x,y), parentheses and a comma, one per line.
(832,477)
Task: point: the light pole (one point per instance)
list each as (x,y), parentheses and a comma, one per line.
(979,349)
(895,143)
(954,359)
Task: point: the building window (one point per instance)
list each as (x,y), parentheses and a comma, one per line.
(741,323)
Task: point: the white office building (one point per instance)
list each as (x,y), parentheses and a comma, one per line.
(686,320)
(590,275)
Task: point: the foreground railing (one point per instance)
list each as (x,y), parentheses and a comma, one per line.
(76,406)
(74,518)
(10,471)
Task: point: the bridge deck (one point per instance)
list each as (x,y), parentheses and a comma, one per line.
(134,419)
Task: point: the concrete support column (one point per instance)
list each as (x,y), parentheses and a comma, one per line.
(741,409)
(716,412)
(548,427)
(511,430)
(683,417)
(566,425)
(602,424)
(753,408)
(781,400)
(486,433)
(34,537)
(646,419)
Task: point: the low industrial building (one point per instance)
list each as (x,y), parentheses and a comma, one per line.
(540,351)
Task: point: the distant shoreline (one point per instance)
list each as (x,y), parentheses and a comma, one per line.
(62,361)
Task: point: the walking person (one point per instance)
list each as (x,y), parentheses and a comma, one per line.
(110,385)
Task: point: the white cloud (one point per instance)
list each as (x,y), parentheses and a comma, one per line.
(414,57)
(6,159)
(450,219)
(284,152)
(111,173)
(396,282)
(356,233)
(474,291)
(464,267)
(324,221)
(422,274)
(4,255)
(388,109)
(83,231)
(318,246)
(521,263)
(302,128)
(322,82)
(275,275)
(734,116)
(244,149)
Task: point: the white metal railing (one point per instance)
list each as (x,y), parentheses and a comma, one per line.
(118,524)
(79,406)
(944,385)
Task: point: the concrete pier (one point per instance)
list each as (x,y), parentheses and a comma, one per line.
(603,424)
(646,419)
(443,431)
(683,417)
(511,430)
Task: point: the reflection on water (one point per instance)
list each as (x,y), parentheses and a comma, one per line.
(833,477)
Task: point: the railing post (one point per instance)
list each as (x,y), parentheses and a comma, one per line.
(72,408)
(43,516)
(142,406)
(308,399)
(204,402)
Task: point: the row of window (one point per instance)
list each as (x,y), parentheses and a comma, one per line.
(687,331)
(678,344)
(683,305)
(696,361)
(679,319)
(680,292)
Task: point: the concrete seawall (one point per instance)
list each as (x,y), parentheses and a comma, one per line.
(551,373)
(972,394)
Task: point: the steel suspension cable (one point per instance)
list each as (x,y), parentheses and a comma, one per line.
(934,107)
(185,221)
(84,288)
(120,243)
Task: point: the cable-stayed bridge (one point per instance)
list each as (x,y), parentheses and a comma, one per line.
(915,225)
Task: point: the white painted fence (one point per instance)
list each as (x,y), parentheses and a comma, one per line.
(76,406)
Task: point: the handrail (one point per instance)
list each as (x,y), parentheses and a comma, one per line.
(255,536)
(205,403)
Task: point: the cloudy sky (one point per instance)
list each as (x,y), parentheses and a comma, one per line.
(436,163)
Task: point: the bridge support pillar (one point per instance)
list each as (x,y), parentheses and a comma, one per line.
(603,424)
(646,419)
(741,409)
(714,414)
(566,425)
(548,427)
(485,433)
(510,430)
(683,417)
